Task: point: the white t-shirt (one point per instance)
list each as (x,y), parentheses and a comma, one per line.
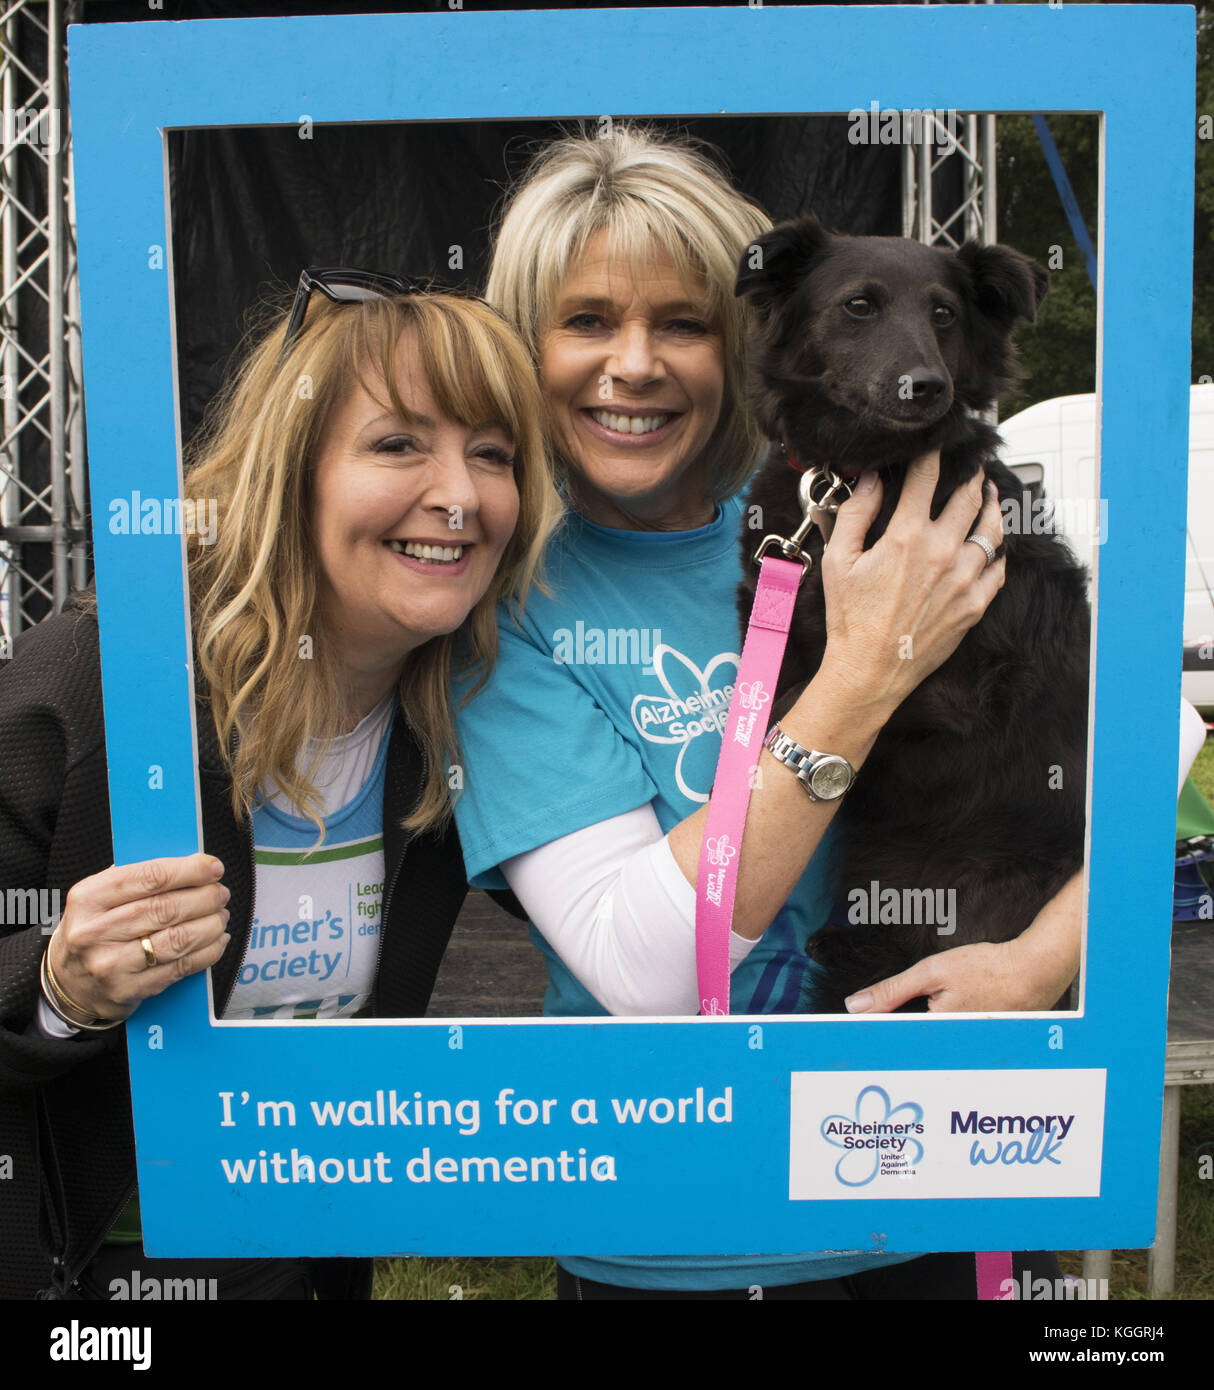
(314,941)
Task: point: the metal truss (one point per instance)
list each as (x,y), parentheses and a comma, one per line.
(927,163)
(43,549)
(972,217)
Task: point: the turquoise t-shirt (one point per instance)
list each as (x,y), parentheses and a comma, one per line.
(610,694)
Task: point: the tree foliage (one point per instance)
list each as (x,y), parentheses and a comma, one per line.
(1059,354)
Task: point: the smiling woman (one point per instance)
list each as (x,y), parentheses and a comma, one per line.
(381,483)
(588,779)
(415,430)
(413,511)
(635,379)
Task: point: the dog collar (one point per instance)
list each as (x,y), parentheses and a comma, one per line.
(824,469)
(793,460)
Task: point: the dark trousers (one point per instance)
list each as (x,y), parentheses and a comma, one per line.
(124,1272)
(945,1276)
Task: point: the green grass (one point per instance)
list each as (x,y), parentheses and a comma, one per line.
(499,1280)
(506,1280)
(1195,1212)
(1194,1218)
(1203,771)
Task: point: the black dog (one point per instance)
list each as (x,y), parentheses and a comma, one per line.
(870,351)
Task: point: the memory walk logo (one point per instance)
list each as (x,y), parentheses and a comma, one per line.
(77,1343)
(719,851)
(1045,1135)
(752,696)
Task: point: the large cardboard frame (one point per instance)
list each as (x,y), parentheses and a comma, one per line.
(747,1164)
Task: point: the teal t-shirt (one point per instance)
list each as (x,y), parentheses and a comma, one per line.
(611,693)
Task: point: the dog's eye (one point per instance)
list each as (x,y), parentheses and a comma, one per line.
(942,316)
(859,307)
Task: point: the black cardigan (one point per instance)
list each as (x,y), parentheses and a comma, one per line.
(65,1118)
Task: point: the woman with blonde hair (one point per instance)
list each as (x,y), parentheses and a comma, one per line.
(590,761)
(381,483)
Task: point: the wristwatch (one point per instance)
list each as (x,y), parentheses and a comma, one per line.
(825,776)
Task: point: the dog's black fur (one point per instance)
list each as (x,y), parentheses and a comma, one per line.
(978,781)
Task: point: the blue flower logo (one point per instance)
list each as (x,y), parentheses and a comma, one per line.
(858,1167)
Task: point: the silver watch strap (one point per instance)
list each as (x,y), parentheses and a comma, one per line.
(804,762)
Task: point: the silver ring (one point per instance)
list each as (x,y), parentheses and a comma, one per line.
(987,548)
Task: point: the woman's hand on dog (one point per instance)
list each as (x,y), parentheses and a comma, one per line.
(1031,972)
(968,979)
(176,903)
(898,611)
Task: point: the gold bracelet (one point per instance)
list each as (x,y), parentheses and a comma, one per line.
(59,1000)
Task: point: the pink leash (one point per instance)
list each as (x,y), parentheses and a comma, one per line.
(994,1271)
(745,730)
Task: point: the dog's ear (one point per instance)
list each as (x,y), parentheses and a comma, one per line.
(1005,284)
(775,263)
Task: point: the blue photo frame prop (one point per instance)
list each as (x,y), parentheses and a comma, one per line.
(225,1113)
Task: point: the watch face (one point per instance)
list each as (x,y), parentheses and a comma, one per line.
(831,778)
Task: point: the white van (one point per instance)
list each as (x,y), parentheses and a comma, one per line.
(1053,445)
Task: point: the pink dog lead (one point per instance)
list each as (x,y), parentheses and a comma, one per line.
(745,729)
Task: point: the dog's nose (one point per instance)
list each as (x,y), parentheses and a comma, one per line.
(926,387)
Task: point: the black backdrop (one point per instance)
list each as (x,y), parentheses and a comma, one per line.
(250,207)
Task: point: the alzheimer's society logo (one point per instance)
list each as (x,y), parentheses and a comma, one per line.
(878,1138)
(695,702)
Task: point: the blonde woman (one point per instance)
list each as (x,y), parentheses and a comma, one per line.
(381,485)
(592,751)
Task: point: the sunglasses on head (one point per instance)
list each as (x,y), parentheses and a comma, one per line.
(346,285)
(343,285)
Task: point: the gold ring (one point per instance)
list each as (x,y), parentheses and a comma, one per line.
(149,955)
